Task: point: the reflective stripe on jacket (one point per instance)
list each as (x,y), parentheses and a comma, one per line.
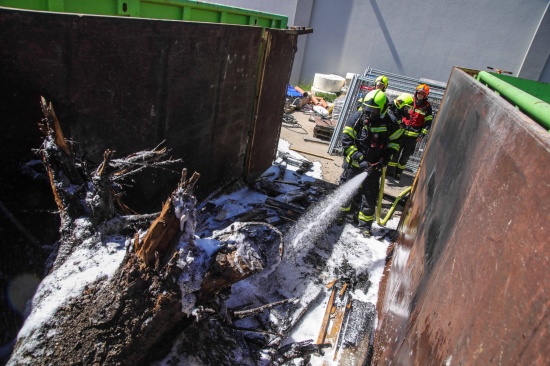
(419,116)
(376,139)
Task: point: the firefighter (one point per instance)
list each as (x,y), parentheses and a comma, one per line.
(367,148)
(400,108)
(415,124)
(380,83)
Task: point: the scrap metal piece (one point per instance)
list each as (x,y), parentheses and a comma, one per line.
(359,324)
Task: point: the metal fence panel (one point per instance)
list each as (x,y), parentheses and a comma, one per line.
(397,84)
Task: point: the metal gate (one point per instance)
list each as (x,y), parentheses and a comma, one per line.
(397,84)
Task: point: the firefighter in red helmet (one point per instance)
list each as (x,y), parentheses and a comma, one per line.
(416,124)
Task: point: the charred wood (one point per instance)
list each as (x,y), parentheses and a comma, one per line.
(298,350)
(163,279)
(250,312)
(284,206)
(233,264)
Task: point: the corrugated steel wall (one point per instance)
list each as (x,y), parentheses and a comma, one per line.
(468,283)
(214,93)
(128,84)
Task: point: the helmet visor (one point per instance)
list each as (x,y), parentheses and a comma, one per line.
(372,111)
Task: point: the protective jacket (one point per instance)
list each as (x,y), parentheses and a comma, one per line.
(373,137)
(419,120)
(396,114)
(396,119)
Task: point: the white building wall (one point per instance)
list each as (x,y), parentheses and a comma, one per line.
(534,65)
(419,39)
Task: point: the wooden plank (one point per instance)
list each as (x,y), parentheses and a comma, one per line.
(310,153)
(276,63)
(357,333)
(326,318)
(337,319)
(338,314)
(309,139)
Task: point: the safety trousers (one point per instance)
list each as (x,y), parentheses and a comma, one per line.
(365,200)
(399,160)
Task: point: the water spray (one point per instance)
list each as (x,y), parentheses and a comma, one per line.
(302,235)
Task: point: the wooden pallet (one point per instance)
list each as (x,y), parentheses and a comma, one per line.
(335,315)
(324,128)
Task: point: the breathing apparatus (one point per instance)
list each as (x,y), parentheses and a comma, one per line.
(375,101)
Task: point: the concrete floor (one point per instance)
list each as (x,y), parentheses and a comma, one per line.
(300,139)
(313,151)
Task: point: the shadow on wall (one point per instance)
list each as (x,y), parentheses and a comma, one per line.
(341,15)
(387,36)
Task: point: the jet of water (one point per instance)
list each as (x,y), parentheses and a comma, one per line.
(302,235)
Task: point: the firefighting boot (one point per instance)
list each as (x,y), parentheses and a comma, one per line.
(364,224)
(344,217)
(340,219)
(347,214)
(365,229)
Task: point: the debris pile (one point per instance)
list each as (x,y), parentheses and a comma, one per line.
(328,274)
(258,275)
(324,113)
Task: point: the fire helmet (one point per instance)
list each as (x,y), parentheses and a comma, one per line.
(383,80)
(423,88)
(403,99)
(375,101)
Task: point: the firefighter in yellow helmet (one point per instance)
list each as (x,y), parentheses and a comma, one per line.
(399,108)
(367,148)
(402,105)
(415,125)
(380,83)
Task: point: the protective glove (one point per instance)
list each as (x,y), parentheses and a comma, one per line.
(357,156)
(365,166)
(377,166)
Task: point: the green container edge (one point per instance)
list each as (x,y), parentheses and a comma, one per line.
(183,10)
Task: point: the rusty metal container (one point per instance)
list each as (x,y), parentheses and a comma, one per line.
(468,282)
(213,93)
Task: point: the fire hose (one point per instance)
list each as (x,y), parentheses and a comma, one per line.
(395,202)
